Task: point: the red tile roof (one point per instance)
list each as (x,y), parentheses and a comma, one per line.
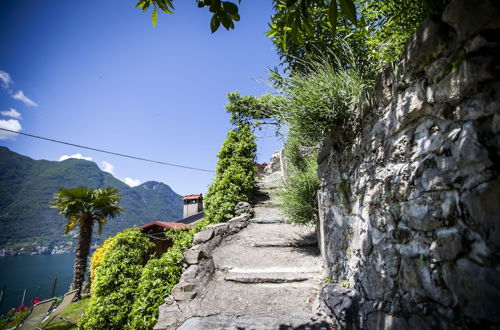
(168,225)
(194,196)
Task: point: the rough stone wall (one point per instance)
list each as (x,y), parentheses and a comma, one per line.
(410,196)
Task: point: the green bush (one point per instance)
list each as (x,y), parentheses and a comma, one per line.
(97,257)
(319,101)
(116,280)
(235,175)
(298,194)
(234,182)
(157,280)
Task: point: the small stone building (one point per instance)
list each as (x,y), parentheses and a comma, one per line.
(193,204)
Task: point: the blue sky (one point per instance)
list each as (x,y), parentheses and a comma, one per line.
(96,73)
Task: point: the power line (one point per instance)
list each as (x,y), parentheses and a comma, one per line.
(108,152)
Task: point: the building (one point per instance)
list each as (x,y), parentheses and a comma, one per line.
(193,204)
(155,231)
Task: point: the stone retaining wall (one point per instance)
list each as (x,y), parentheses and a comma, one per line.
(199,266)
(410,197)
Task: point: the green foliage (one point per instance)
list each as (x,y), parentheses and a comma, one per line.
(247,110)
(14,318)
(117,278)
(235,175)
(318,101)
(377,39)
(293,153)
(82,204)
(72,313)
(98,257)
(223,12)
(298,194)
(234,181)
(157,280)
(226,12)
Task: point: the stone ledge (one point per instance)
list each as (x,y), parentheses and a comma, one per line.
(199,270)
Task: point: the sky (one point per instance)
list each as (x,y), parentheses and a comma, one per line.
(96,73)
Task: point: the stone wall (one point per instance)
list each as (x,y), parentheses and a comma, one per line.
(410,195)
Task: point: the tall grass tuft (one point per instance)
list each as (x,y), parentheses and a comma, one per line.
(319,100)
(298,194)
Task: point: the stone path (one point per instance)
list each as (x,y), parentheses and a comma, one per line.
(266,276)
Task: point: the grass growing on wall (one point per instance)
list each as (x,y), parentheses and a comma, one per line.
(298,193)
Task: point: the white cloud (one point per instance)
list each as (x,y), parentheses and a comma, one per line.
(5,78)
(11,113)
(11,124)
(107,167)
(23,98)
(132,182)
(76,156)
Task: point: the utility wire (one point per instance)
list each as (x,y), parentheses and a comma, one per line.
(108,152)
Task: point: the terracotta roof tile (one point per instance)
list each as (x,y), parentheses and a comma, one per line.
(164,224)
(194,196)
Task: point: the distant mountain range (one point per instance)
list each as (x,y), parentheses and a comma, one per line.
(29,225)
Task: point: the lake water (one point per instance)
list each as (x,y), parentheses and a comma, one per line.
(36,274)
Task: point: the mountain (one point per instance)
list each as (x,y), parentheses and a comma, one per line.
(28,224)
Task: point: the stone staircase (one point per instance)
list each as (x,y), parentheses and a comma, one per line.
(266,275)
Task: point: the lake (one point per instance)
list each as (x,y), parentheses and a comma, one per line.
(36,274)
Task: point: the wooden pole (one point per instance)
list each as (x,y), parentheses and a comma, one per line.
(24,295)
(54,282)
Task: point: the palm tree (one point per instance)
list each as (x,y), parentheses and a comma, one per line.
(83,206)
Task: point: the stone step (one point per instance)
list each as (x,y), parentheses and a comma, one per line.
(269,259)
(269,220)
(285,243)
(266,210)
(233,322)
(235,298)
(278,277)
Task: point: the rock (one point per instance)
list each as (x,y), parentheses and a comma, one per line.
(242,207)
(268,220)
(274,165)
(169,314)
(219,229)
(342,304)
(193,256)
(203,236)
(462,82)
(417,214)
(426,43)
(476,289)
(469,17)
(190,273)
(183,291)
(448,245)
(282,277)
(381,320)
(261,322)
(286,243)
(484,208)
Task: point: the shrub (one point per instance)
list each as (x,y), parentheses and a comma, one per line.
(298,194)
(97,258)
(235,175)
(157,280)
(116,280)
(234,182)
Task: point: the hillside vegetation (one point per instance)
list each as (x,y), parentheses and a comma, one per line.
(27,186)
